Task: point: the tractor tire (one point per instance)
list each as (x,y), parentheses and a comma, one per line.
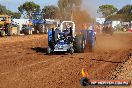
(46,30)
(2,33)
(9,33)
(8,30)
(26,32)
(71,50)
(48,50)
(79,44)
(35,29)
(40,29)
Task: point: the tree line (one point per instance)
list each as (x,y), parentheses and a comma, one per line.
(110,12)
(70,10)
(4,10)
(65,10)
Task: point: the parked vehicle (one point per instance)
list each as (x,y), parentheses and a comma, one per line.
(108,29)
(38,22)
(5,25)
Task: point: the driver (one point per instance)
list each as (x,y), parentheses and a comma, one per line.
(68,26)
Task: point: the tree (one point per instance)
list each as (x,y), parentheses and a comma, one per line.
(120,17)
(28,7)
(124,14)
(16,15)
(66,7)
(4,10)
(126,10)
(51,12)
(107,10)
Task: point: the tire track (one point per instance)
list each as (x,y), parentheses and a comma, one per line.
(30,65)
(50,61)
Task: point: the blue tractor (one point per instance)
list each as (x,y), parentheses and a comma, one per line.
(65,39)
(38,22)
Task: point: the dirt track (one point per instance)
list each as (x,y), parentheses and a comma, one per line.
(24,64)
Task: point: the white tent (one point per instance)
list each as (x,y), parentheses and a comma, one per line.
(100,20)
(20,22)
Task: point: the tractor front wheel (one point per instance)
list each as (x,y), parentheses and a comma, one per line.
(71,50)
(26,31)
(79,43)
(48,50)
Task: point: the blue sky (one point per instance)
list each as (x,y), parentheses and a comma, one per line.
(90,5)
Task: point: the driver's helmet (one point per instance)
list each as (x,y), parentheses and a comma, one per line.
(67,26)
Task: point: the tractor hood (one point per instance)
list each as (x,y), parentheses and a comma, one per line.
(38,21)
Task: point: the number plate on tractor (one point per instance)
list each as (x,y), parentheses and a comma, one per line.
(60,46)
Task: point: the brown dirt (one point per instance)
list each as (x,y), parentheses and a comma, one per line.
(24,64)
(125,73)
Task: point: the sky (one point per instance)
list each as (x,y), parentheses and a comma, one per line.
(90,5)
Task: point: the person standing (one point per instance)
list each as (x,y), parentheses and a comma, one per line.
(30,27)
(18,29)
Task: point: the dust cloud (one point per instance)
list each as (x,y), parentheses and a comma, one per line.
(85,14)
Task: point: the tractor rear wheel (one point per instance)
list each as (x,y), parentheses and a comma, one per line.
(46,30)
(40,28)
(71,50)
(26,32)
(35,29)
(79,43)
(8,28)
